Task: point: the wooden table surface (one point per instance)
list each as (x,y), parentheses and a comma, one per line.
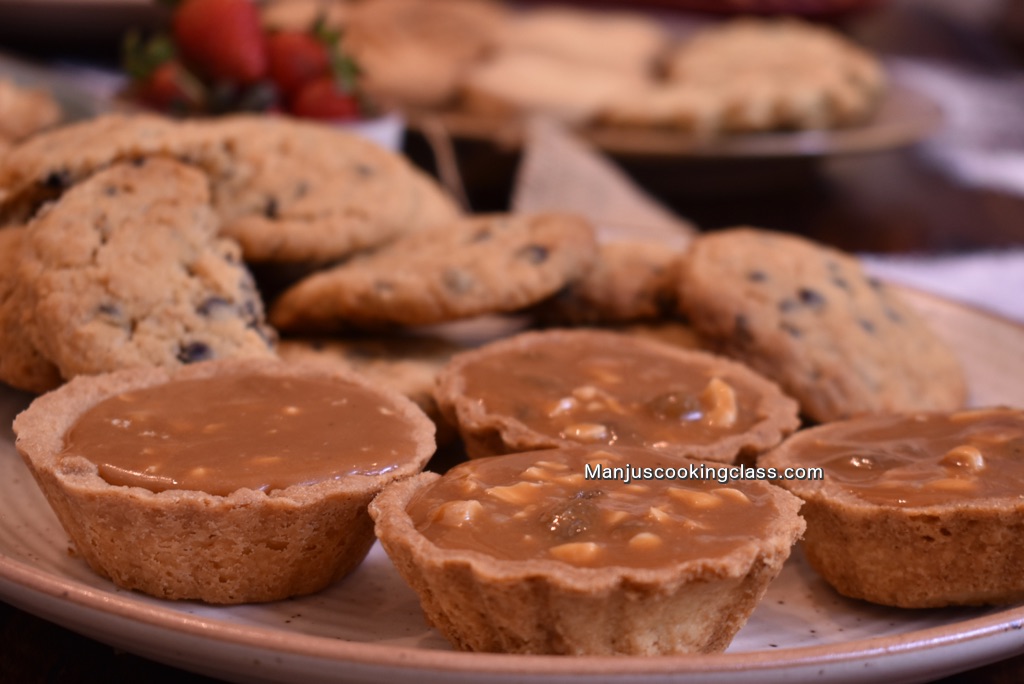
(895,201)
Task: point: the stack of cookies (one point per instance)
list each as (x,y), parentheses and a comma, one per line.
(129,238)
(616,68)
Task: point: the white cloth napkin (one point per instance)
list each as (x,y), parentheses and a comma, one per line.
(989,280)
(981,143)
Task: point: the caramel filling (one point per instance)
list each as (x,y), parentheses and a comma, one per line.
(220,434)
(541,505)
(925,459)
(603,392)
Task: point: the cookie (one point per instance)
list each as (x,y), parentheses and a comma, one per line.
(21,364)
(474,266)
(302,191)
(806,315)
(286,190)
(24,111)
(302,15)
(615,41)
(630,281)
(415,52)
(694,109)
(42,168)
(126,270)
(780,74)
(514,82)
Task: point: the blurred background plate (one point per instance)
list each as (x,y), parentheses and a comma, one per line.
(810,8)
(906,116)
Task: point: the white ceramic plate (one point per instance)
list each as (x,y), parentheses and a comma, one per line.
(369,626)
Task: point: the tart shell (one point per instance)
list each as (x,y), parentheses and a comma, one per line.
(482,603)
(249,546)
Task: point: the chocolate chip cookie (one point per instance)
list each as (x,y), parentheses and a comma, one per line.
(807,316)
(630,281)
(23,111)
(286,190)
(780,74)
(45,166)
(301,191)
(473,266)
(21,364)
(126,270)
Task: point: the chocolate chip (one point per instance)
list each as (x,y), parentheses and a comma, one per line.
(791,330)
(666,301)
(757,276)
(267,334)
(533,254)
(110,309)
(251,311)
(742,332)
(788,304)
(811,298)
(57,180)
(840,282)
(457,280)
(110,190)
(212,305)
(138,162)
(867,325)
(875,283)
(482,235)
(270,210)
(893,316)
(364,170)
(193,352)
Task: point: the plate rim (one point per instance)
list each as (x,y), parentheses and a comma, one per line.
(119,604)
(886,132)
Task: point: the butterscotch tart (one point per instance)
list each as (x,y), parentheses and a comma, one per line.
(569,551)
(915,510)
(557,388)
(224,481)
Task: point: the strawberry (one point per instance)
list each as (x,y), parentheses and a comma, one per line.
(221,39)
(324,98)
(158,78)
(294,59)
(169,88)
